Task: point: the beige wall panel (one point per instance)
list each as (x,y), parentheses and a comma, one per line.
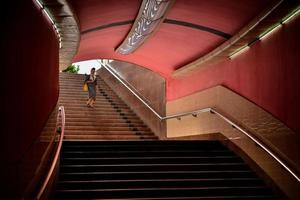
(203,124)
(149,85)
(152,121)
(195,101)
(274,134)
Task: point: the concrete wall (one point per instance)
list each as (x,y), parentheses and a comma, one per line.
(150,86)
(272,132)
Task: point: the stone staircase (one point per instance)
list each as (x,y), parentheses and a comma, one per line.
(156,170)
(92,167)
(111,119)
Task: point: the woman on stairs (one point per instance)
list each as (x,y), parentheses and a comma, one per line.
(91,81)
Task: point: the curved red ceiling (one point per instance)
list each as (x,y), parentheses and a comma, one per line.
(104,25)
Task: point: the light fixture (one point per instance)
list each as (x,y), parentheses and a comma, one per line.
(49,17)
(150,15)
(278,25)
(52,22)
(239,51)
(291,15)
(269,31)
(39,4)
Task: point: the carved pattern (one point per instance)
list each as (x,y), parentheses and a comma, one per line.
(147,21)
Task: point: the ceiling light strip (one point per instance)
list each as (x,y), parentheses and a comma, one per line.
(267,32)
(291,15)
(239,51)
(39,3)
(49,17)
(150,16)
(284,20)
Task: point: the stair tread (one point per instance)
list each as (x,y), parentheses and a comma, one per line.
(178,188)
(162,172)
(173,164)
(158,180)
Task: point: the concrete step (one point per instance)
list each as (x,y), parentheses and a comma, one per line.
(105,128)
(107,137)
(102,124)
(105,123)
(79,102)
(101,111)
(111,119)
(83,107)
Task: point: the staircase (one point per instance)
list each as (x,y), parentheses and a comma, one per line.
(132,167)
(156,170)
(111,119)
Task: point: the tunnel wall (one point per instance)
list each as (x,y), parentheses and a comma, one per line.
(30,52)
(267,74)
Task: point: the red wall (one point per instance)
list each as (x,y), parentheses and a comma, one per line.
(268,74)
(29,82)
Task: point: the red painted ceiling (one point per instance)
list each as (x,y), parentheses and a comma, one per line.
(172,46)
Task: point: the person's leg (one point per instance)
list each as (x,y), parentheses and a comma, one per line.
(92,102)
(88,102)
(90,90)
(93,96)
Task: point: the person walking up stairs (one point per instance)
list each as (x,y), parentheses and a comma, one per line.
(110,119)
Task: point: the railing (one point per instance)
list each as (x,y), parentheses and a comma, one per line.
(111,71)
(61,129)
(205,110)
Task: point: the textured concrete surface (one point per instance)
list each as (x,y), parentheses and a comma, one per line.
(274,134)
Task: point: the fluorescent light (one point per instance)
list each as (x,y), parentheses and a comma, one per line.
(57,31)
(291,15)
(269,31)
(278,25)
(48,15)
(40,4)
(52,22)
(239,51)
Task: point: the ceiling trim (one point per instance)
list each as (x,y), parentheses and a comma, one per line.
(199,27)
(166,21)
(67,24)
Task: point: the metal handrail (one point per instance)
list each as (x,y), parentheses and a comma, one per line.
(204,110)
(111,71)
(57,153)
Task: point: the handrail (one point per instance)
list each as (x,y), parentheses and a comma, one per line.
(111,71)
(256,141)
(211,110)
(57,153)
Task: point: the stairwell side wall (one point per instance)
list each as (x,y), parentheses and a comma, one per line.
(150,85)
(29,86)
(267,73)
(283,141)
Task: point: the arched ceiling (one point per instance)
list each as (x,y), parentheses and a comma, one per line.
(191,29)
